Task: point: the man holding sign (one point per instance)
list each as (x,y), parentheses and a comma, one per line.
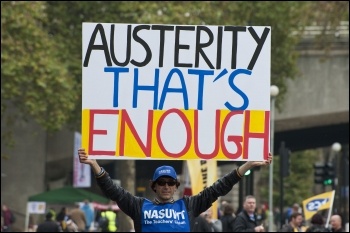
(164,213)
(174,92)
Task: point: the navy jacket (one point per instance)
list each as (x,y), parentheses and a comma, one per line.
(243,223)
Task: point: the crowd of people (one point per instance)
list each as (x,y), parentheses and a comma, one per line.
(252,219)
(84,218)
(164,213)
(191,213)
(81,218)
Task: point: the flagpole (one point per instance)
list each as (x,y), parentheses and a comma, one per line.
(330,210)
(273,93)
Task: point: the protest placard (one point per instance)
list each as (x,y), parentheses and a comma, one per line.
(183,92)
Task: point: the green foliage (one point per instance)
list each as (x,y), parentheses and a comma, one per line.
(34,78)
(299,184)
(41,44)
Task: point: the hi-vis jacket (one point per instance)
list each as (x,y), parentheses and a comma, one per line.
(178,216)
(111,220)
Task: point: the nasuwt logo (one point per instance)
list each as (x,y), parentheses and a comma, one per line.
(166,171)
(316,204)
(164,214)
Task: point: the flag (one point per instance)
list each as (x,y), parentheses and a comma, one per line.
(313,204)
(186,181)
(203,173)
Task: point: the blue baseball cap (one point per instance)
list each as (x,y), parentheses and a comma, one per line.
(164,171)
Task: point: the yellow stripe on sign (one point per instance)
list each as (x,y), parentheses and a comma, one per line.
(257,121)
(85,128)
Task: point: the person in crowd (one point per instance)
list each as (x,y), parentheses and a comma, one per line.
(78,217)
(277,217)
(62,218)
(164,213)
(109,224)
(295,224)
(246,220)
(228,218)
(317,224)
(294,209)
(223,203)
(261,215)
(215,224)
(89,214)
(49,225)
(336,223)
(53,212)
(8,218)
(201,224)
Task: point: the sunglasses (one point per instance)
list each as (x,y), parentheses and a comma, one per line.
(163,182)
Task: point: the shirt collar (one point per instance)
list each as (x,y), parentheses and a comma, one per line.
(156,201)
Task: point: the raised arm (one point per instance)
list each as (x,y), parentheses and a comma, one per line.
(83,158)
(250,164)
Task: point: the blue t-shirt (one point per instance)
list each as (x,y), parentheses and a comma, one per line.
(89,214)
(168,217)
